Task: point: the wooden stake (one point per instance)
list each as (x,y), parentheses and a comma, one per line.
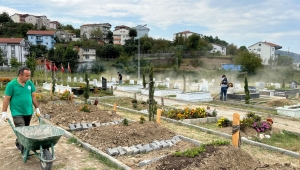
(115,108)
(158,114)
(236,135)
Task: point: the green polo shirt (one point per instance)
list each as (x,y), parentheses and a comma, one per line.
(21,97)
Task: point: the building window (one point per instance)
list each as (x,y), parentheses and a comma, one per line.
(46,43)
(272,49)
(259,44)
(258,49)
(87,57)
(12,47)
(46,37)
(31,37)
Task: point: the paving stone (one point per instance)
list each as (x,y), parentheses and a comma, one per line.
(174,141)
(121,150)
(141,148)
(97,124)
(170,143)
(128,150)
(158,143)
(164,144)
(116,122)
(103,124)
(90,125)
(144,162)
(111,123)
(154,146)
(78,126)
(134,149)
(121,120)
(72,127)
(84,126)
(112,152)
(177,138)
(148,148)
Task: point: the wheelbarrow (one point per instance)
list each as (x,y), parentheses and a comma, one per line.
(39,139)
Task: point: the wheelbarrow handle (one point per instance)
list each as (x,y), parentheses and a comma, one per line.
(10,123)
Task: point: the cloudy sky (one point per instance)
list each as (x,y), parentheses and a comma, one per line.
(242,22)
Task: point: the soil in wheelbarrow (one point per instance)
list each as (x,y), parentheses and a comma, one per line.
(63,113)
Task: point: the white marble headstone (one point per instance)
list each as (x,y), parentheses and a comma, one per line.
(69,79)
(95,82)
(81,80)
(176,86)
(75,79)
(168,79)
(131,81)
(113,80)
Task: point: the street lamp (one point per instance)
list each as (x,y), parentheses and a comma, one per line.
(139,56)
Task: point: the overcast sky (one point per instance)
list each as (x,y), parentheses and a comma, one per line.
(241,22)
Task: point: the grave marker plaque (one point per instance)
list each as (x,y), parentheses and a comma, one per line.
(104,83)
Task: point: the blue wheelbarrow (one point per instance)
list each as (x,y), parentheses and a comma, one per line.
(39,139)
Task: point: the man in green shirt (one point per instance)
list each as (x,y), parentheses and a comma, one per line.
(19,94)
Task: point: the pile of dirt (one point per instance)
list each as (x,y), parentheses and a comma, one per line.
(216,157)
(105,137)
(280,102)
(63,113)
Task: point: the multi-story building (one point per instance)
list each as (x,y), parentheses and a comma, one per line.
(141,31)
(14,47)
(39,21)
(266,50)
(64,36)
(46,38)
(54,25)
(19,18)
(120,34)
(88,29)
(218,48)
(86,57)
(185,34)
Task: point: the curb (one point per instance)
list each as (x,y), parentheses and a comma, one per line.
(243,139)
(89,147)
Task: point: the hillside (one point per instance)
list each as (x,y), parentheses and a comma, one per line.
(295,56)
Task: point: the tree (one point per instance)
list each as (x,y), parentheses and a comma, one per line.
(243,48)
(25,27)
(4,17)
(71,57)
(110,37)
(111,52)
(193,42)
(98,67)
(39,50)
(68,27)
(43,27)
(97,34)
(1,57)
(31,63)
(246,89)
(86,91)
(231,49)
(284,60)
(132,33)
(14,62)
(249,62)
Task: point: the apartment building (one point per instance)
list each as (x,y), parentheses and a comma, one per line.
(46,38)
(120,34)
(88,29)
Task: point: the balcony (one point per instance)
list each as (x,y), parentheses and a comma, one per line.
(39,40)
(89,53)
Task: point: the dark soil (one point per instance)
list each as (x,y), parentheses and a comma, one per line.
(105,137)
(64,112)
(217,158)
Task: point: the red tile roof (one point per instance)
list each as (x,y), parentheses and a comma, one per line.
(11,40)
(30,32)
(185,32)
(271,44)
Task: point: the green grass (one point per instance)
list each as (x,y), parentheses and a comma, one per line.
(72,140)
(103,160)
(58,166)
(285,139)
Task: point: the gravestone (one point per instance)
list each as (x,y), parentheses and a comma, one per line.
(252,89)
(293,85)
(104,83)
(167,79)
(75,79)
(69,79)
(131,81)
(261,85)
(95,82)
(81,80)
(176,86)
(113,80)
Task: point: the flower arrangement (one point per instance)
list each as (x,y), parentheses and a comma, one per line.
(224,122)
(85,108)
(39,96)
(185,113)
(66,95)
(261,126)
(81,86)
(5,79)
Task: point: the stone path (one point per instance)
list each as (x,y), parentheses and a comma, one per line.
(279,122)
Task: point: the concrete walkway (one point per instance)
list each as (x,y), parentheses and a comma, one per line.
(280,122)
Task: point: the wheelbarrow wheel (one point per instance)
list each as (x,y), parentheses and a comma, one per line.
(47,156)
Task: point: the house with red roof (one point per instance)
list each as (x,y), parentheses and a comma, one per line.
(42,37)
(185,34)
(266,50)
(14,47)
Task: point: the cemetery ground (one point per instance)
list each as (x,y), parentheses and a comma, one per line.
(70,155)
